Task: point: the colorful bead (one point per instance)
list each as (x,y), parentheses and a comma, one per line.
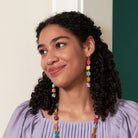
(53,85)
(88,73)
(56,127)
(96,116)
(95,125)
(94,130)
(55,122)
(56,117)
(95,121)
(88,79)
(88,67)
(53,95)
(56,136)
(55,113)
(54,90)
(88,62)
(93,136)
(88,84)
(56,132)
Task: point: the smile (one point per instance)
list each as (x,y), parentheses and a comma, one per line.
(56,70)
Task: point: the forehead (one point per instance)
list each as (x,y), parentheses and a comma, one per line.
(52,31)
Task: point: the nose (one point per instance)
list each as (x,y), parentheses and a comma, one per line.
(51,57)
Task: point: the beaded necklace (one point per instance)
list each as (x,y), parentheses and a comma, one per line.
(56,118)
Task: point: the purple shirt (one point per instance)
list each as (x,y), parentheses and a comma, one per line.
(124,124)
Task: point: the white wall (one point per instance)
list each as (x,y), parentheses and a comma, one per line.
(64,5)
(101,12)
(19,59)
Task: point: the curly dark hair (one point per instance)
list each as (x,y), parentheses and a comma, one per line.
(105,83)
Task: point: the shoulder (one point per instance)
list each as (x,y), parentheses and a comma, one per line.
(20,119)
(127,109)
(126,118)
(23,108)
(22,111)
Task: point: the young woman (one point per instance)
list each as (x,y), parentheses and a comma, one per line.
(79,94)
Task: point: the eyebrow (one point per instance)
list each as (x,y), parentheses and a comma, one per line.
(53,40)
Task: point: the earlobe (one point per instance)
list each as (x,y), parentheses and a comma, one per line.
(89,46)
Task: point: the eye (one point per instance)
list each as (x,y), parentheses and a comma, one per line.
(58,45)
(42,52)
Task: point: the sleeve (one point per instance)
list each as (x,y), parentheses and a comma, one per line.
(16,122)
(135,135)
(128,119)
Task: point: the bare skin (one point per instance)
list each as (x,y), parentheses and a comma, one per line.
(75,103)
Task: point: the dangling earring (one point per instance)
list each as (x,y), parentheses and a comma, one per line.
(88,73)
(53,90)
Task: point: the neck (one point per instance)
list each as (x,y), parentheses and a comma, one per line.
(76,99)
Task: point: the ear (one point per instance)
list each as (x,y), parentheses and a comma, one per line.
(89,46)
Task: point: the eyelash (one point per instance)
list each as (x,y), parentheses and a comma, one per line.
(41,52)
(57,46)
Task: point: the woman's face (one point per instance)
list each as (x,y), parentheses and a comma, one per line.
(62,58)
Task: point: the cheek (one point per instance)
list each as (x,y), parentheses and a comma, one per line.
(81,65)
(77,64)
(64,58)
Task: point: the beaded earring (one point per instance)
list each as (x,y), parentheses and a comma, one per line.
(88,73)
(53,90)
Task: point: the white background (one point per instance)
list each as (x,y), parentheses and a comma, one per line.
(19,59)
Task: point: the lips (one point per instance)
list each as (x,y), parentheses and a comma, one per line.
(55,70)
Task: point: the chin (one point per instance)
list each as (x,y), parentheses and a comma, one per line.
(60,84)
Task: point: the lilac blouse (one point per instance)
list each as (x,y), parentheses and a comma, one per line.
(124,124)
